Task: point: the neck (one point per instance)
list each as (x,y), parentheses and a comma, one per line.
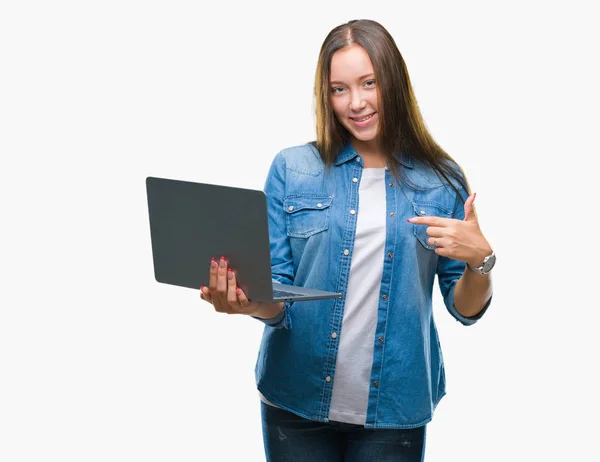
(371,153)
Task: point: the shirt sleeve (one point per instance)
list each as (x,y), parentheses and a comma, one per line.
(282,320)
(282,269)
(449,272)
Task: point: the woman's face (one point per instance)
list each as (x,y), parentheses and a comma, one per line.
(354,92)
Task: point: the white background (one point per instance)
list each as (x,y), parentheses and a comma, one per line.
(99,362)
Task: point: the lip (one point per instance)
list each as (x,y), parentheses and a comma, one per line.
(365,122)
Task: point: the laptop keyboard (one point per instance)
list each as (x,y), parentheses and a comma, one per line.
(283,293)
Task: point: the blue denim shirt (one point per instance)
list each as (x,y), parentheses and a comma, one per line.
(312,224)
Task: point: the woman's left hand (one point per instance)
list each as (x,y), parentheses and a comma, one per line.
(457,239)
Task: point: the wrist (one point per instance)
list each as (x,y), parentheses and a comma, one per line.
(480,257)
(484,265)
(268,310)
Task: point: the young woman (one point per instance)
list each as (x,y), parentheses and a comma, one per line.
(373,209)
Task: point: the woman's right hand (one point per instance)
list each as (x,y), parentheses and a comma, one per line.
(226,297)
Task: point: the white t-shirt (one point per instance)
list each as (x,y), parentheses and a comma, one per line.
(352,378)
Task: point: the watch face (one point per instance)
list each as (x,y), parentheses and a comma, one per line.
(489,263)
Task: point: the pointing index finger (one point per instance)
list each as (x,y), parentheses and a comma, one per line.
(431,221)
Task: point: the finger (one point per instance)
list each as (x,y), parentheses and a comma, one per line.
(205,294)
(222,277)
(435,231)
(212,283)
(442,251)
(469,212)
(437,242)
(231,289)
(241,296)
(432,221)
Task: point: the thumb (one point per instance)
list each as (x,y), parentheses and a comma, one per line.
(469,212)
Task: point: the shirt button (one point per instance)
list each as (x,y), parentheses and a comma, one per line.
(357,159)
(290,208)
(422,212)
(319,205)
(384,297)
(376,383)
(390,255)
(334,335)
(346,252)
(391,184)
(327,379)
(355,180)
(352,212)
(392,214)
(380,339)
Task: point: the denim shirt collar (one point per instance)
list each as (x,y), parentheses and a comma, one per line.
(348,153)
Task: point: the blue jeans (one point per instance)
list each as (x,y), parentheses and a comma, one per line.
(288,437)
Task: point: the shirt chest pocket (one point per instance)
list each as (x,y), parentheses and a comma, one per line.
(307,215)
(427,209)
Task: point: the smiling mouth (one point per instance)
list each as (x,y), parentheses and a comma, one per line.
(362,119)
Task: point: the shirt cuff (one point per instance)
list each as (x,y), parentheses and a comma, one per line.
(469,320)
(279,321)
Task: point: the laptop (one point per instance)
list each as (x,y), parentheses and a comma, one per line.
(190,223)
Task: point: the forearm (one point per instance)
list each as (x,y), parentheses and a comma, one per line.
(472,292)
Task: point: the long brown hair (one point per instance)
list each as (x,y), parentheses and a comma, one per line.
(401,125)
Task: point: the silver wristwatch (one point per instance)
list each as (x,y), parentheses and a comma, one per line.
(486,266)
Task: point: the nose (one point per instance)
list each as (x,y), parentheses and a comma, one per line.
(357,102)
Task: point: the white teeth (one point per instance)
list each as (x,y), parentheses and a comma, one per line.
(365,118)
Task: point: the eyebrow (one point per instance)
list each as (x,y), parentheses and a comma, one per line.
(362,77)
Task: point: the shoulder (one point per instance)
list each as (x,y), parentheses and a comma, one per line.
(303,159)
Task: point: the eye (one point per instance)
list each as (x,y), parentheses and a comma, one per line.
(335,90)
(370,83)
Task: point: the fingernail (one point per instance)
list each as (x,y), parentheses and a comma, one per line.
(411,220)
(222,263)
(230,274)
(213,264)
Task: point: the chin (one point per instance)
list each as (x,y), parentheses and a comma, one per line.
(364,136)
